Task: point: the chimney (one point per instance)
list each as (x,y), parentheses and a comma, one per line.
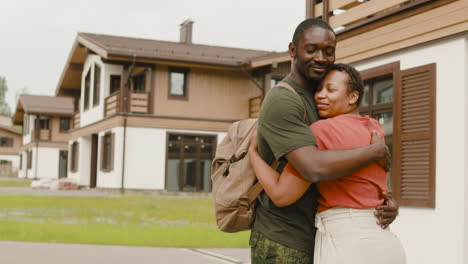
(186,31)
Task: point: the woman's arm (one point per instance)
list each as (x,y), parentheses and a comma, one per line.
(283,189)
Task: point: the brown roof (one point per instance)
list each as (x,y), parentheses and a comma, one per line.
(10,129)
(106,46)
(42,104)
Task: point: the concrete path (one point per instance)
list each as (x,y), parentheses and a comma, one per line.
(48,253)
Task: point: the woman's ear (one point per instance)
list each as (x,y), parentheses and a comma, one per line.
(353,97)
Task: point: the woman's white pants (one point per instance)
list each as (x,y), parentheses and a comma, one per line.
(351,236)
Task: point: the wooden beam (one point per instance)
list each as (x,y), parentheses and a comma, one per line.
(362,11)
(76,67)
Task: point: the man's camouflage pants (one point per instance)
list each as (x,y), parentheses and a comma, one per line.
(264,250)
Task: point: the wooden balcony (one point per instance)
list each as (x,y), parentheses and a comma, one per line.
(42,135)
(349,14)
(254,106)
(111,104)
(138,103)
(76,120)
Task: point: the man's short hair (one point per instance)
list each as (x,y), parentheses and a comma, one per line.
(355,82)
(308,23)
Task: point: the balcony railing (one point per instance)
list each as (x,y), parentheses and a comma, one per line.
(111,104)
(42,134)
(347,14)
(254,106)
(138,103)
(76,120)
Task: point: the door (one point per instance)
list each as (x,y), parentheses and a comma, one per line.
(94,150)
(63,161)
(189,162)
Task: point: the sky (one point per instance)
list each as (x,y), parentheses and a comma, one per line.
(36,36)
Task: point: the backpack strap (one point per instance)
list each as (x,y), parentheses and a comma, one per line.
(289,87)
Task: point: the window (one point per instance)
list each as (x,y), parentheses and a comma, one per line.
(139,83)
(43,124)
(107,152)
(29,159)
(404,103)
(188,165)
(6,142)
(114,84)
(178,83)
(65,124)
(97,84)
(87,84)
(74,156)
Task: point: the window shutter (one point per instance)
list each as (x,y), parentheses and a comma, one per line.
(414,143)
(111,151)
(103,166)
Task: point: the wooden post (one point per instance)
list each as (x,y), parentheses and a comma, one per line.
(325,10)
(310,8)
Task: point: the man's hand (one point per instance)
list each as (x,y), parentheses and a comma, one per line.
(387,212)
(384,153)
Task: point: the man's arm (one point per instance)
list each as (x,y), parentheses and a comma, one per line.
(319,165)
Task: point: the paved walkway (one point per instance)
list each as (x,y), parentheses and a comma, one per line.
(49,253)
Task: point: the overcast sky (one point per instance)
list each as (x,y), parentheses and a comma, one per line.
(36,36)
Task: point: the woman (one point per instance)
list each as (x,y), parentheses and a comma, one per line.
(347,232)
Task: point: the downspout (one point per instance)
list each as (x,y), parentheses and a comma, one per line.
(37,132)
(124,140)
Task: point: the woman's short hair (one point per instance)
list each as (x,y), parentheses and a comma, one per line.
(355,82)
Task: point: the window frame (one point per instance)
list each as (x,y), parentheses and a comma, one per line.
(107,152)
(61,129)
(86,89)
(74,150)
(96,84)
(186,72)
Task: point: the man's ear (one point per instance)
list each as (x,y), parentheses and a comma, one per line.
(292,50)
(353,97)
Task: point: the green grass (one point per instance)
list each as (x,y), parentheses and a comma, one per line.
(14,182)
(136,220)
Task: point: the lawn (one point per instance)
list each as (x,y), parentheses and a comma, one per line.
(14,182)
(126,220)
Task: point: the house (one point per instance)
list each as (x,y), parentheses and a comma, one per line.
(150,113)
(413,56)
(44,147)
(10,143)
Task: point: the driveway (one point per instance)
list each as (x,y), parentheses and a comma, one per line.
(13,252)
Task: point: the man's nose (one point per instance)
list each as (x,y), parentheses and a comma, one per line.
(319,56)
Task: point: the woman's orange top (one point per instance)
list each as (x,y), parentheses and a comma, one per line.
(363,188)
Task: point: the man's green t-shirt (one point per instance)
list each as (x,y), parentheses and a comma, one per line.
(283,127)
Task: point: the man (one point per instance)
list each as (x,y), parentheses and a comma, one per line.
(287,234)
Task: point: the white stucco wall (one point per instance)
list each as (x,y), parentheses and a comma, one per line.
(27,136)
(15,160)
(145,159)
(22,171)
(47,162)
(465,225)
(112,179)
(96,113)
(435,235)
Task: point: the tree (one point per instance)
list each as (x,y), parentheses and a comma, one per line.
(4,107)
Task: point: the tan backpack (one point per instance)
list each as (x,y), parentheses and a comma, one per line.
(235,186)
